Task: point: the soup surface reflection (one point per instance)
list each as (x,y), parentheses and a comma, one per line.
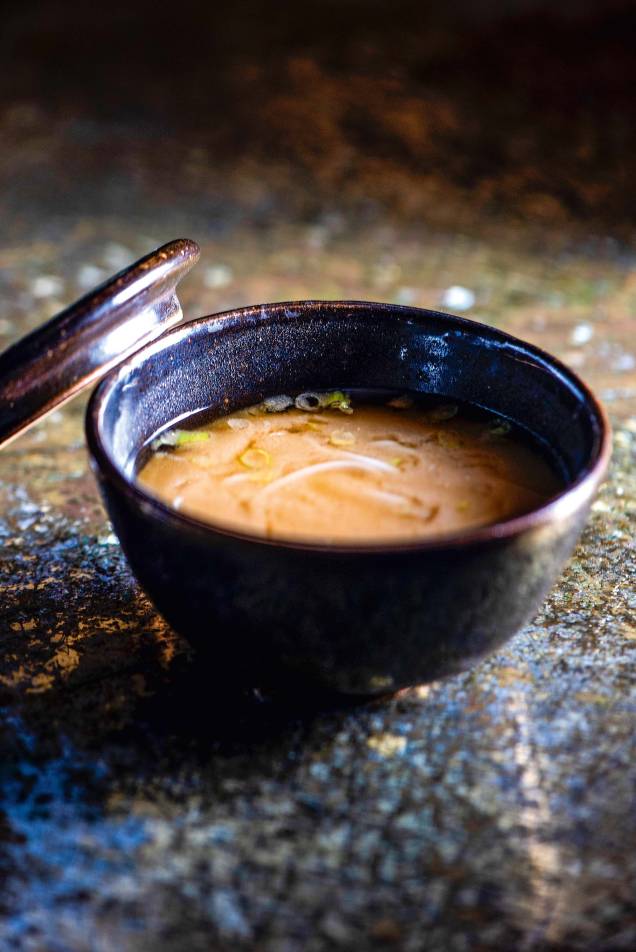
(336,467)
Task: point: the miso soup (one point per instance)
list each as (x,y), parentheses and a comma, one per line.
(349,467)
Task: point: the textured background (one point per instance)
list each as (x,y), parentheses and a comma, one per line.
(339,150)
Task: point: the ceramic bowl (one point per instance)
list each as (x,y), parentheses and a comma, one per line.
(354,619)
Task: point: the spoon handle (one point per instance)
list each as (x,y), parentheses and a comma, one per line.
(82,343)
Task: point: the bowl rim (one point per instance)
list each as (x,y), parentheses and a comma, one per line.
(563,504)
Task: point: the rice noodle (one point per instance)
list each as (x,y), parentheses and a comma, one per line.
(406,475)
(393,445)
(370,462)
(365,463)
(396,499)
(254,476)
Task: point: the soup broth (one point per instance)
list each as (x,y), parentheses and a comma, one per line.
(336,467)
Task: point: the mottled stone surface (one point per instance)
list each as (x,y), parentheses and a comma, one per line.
(494,810)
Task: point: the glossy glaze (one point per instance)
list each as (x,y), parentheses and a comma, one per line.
(354,619)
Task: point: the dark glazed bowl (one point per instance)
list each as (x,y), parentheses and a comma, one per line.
(347,618)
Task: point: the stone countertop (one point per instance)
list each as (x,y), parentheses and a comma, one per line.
(493,810)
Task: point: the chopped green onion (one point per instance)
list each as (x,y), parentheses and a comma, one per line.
(277,404)
(271,405)
(191,436)
(499,428)
(255,458)
(342,438)
(309,402)
(334,400)
(446,411)
(179,438)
